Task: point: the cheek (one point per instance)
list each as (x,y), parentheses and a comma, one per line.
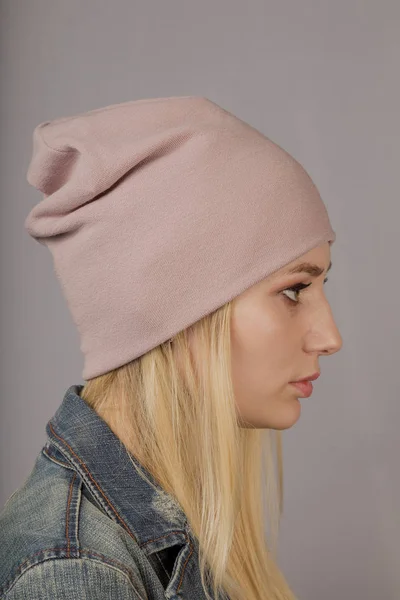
(264,351)
(262,332)
(260,351)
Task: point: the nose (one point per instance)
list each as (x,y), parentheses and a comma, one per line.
(327,339)
(332,339)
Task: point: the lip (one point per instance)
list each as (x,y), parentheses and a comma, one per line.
(312,377)
(305,387)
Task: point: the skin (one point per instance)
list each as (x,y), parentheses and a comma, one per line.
(276,340)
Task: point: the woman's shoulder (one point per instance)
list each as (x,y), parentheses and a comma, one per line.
(73,578)
(56,541)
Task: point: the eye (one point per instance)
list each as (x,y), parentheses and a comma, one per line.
(297,289)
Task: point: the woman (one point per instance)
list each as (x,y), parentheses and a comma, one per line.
(192,252)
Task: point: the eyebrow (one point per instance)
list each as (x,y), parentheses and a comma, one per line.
(306,267)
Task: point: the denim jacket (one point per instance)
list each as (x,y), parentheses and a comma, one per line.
(85,525)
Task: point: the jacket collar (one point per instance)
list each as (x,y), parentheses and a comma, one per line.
(96,453)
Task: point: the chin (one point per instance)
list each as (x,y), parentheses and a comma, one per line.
(286,417)
(280,414)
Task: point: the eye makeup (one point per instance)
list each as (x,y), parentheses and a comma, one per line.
(297,289)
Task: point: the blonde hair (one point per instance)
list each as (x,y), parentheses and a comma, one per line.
(183,425)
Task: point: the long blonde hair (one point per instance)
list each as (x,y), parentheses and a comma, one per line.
(183,424)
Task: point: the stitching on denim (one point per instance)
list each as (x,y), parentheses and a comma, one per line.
(144,543)
(71,487)
(116,512)
(56,460)
(105,559)
(95,482)
(187,560)
(106,498)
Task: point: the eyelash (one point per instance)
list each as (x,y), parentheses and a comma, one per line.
(297,289)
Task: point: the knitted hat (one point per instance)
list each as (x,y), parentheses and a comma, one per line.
(159,211)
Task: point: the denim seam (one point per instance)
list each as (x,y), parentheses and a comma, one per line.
(107,499)
(56,460)
(116,513)
(87,554)
(115,510)
(72,515)
(186,562)
(155,539)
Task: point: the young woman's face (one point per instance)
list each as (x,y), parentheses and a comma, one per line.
(278,336)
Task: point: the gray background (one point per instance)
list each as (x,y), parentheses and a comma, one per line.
(322,80)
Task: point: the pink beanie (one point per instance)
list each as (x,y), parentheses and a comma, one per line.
(159,211)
